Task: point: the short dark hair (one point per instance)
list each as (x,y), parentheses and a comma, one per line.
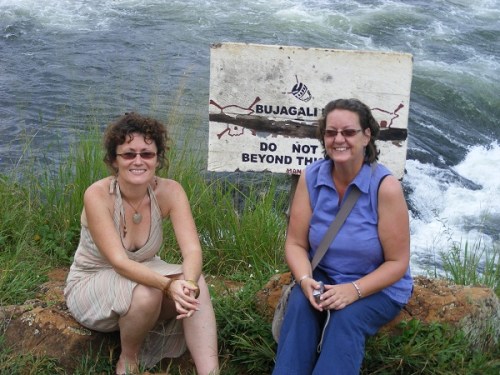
(117,132)
(366,120)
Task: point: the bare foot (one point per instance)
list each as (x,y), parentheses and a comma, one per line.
(124,367)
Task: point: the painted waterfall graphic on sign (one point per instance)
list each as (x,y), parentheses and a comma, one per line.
(300,91)
(263,115)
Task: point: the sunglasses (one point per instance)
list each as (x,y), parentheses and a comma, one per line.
(132,155)
(346,133)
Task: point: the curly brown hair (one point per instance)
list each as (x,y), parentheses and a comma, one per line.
(121,130)
(366,120)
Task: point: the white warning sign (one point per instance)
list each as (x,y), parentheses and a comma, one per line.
(265,102)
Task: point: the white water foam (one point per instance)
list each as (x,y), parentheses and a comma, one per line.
(449,213)
(80,15)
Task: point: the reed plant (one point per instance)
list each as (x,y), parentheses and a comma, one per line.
(241,222)
(21,266)
(475,263)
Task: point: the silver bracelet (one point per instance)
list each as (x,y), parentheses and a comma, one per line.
(357,289)
(302,279)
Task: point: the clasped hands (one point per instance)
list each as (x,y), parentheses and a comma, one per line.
(335,297)
(185,295)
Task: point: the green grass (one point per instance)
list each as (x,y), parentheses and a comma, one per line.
(473,264)
(241,221)
(28,365)
(427,349)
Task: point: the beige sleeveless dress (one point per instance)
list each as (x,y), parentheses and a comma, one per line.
(97,296)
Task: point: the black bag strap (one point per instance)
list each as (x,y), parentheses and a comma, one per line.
(334,228)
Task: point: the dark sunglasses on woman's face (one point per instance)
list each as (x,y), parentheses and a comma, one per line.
(346,133)
(132,155)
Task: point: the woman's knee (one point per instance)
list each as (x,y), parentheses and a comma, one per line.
(146,298)
(298,298)
(365,316)
(299,308)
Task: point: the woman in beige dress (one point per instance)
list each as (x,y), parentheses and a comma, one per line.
(117,281)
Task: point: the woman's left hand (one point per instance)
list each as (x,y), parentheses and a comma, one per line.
(184,294)
(336,297)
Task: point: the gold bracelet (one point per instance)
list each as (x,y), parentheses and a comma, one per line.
(195,285)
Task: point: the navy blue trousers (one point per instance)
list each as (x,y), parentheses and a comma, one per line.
(344,339)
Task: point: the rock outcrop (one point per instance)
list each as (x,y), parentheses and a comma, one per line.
(474,309)
(44,326)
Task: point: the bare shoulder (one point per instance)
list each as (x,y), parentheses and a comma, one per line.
(169,194)
(391,196)
(390,187)
(98,192)
(301,207)
(167,187)
(100,186)
(301,183)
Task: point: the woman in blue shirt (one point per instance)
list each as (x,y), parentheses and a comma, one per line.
(366,268)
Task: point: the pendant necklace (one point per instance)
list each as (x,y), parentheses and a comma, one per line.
(136,217)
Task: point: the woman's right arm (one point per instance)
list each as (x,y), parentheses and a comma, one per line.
(297,238)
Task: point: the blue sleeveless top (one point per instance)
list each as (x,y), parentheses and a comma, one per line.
(356,251)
